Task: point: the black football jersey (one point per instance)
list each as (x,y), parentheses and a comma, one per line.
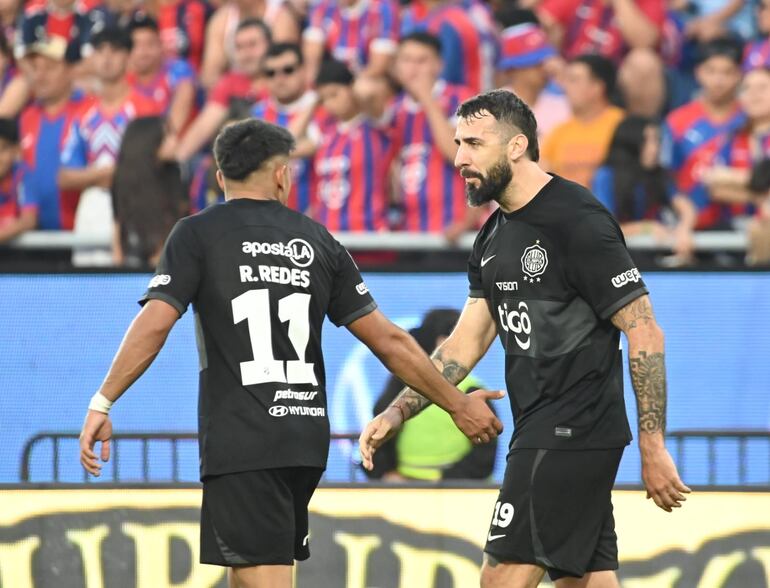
(261,278)
(553,273)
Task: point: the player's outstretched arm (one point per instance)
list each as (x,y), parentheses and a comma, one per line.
(141,343)
(454,359)
(646,358)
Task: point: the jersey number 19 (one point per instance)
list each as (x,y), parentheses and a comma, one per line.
(254,307)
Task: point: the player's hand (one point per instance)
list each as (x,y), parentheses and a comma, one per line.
(97,427)
(476,419)
(661,479)
(377,432)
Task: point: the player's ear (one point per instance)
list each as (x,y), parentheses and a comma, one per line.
(282,174)
(221,180)
(517,147)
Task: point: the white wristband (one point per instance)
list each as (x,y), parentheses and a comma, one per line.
(100,404)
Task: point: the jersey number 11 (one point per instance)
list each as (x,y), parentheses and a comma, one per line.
(254,307)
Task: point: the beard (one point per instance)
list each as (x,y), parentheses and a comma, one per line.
(490,187)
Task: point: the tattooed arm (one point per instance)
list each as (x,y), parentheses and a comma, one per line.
(646,359)
(470,339)
(457,355)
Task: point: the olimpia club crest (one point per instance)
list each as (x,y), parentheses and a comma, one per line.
(533,262)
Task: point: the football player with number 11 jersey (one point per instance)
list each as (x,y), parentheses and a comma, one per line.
(261,279)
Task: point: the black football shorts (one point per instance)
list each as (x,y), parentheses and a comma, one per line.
(554,510)
(258,517)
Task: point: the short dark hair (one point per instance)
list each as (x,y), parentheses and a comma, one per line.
(729,47)
(242,147)
(601,69)
(334,72)
(9,130)
(256,23)
(277,49)
(142,21)
(112,35)
(506,107)
(423,38)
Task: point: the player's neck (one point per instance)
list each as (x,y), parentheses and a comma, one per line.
(250,195)
(148,76)
(54,105)
(114,94)
(760,126)
(719,110)
(527,182)
(591,111)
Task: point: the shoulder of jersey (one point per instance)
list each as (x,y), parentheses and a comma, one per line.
(682,118)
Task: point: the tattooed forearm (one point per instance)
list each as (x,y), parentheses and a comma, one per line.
(635,314)
(411,403)
(648,375)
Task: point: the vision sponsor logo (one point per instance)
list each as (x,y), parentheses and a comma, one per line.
(626,277)
(507,286)
(299,251)
(159,280)
(294,395)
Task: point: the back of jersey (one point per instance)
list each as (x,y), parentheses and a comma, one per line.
(261,278)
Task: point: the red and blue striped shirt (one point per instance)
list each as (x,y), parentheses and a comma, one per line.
(162,87)
(182,26)
(10,188)
(469,45)
(42,140)
(432,191)
(350,34)
(351,168)
(691,140)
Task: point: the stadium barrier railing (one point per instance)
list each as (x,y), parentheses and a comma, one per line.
(397,241)
(686,445)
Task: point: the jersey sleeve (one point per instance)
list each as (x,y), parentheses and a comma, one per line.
(75,151)
(599,266)
(385,38)
(350,298)
(475,285)
(178,275)
(180,71)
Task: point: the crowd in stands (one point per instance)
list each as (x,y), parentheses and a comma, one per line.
(108,109)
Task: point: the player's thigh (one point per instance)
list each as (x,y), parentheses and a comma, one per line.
(498,574)
(262,576)
(604,579)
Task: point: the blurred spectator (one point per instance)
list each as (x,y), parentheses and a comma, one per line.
(635,188)
(169,82)
(235,92)
(360,33)
(91,149)
(691,133)
(146,205)
(468,38)
(43,128)
(742,149)
(352,163)
(610,29)
(430,192)
(757,52)
(642,83)
(10,14)
(71,20)
(709,19)
(429,447)
(219,53)
(15,216)
(576,148)
(121,13)
(8,69)
(288,101)
(758,251)
(182,26)
(523,69)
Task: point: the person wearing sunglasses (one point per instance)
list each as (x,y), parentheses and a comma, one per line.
(291,104)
